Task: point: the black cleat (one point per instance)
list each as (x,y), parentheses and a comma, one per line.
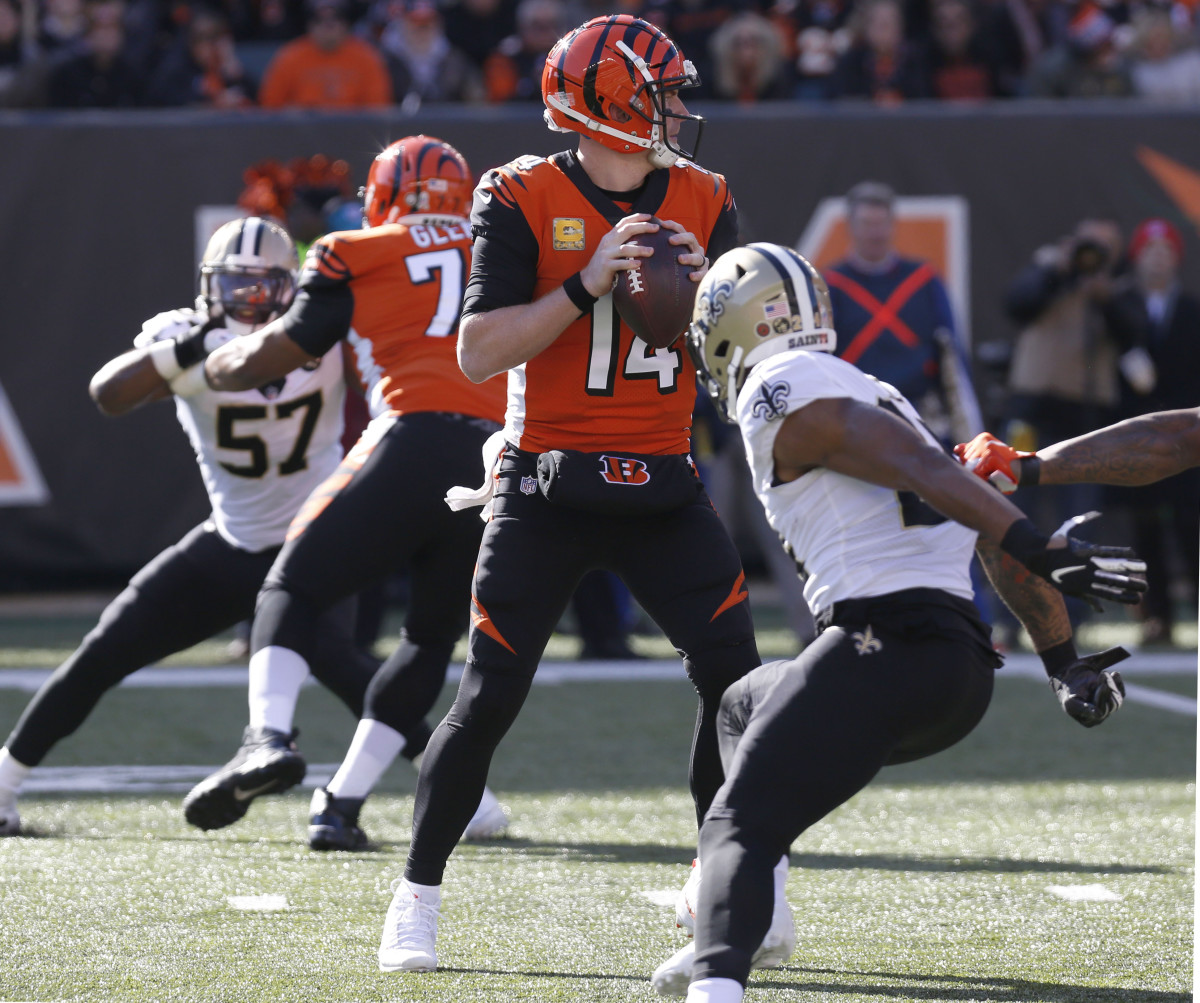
(267,763)
(333,823)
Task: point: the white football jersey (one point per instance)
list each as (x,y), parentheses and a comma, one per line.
(262,452)
(851,539)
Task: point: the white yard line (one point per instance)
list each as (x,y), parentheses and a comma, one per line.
(177,779)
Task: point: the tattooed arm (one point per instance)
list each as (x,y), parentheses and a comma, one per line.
(1134,452)
(1035,602)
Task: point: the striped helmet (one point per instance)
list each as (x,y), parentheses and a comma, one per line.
(754,302)
(609,80)
(417,176)
(248,273)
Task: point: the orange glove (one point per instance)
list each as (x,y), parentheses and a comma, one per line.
(992,460)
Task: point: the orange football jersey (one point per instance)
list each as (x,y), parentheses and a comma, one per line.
(597,386)
(406,279)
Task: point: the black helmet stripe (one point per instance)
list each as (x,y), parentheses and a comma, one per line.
(789,285)
(602,41)
(396,173)
(590,98)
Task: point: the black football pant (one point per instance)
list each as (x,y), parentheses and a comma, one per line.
(192,590)
(680,566)
(896,678)
(382,511)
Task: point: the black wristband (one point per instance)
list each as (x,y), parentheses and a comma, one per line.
(190,348)
(1023,539)
(1031,471)
(1059,657)
(578,294)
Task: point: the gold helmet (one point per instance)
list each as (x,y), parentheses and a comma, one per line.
(755,301)
(248,273)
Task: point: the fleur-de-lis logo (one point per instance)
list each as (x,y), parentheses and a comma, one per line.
(772,401)
(712,303)
(865,642)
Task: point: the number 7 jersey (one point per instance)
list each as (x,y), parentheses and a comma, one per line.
(394,293)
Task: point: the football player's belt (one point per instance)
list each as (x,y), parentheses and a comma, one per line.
(618,483)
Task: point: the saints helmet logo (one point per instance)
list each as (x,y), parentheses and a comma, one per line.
(771,402)
(712,301)
(865,642)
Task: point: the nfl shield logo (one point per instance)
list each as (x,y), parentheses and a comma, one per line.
(528,485)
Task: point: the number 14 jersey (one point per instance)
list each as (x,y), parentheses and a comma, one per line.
(597,386)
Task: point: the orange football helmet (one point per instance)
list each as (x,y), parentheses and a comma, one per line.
(417,175)
(609,80)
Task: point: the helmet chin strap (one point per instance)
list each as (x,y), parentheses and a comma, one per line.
(734,382)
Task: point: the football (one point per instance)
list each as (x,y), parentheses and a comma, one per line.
(655,299)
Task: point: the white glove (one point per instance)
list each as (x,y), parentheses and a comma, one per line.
(169,324)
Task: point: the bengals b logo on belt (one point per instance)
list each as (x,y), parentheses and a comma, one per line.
(624,470)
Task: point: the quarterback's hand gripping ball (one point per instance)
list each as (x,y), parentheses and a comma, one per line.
(655,298)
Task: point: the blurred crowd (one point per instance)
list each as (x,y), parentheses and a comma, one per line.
(371,53)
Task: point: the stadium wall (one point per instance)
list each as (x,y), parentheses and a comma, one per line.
(97,232)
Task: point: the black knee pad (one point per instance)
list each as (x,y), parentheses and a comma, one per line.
(714,670)
(487,704)
(284,619)
(408,684)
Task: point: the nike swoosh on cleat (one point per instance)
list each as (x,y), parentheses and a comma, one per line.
(1056,575)
(241,795)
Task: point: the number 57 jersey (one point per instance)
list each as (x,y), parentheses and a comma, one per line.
(851,539)
(261,452)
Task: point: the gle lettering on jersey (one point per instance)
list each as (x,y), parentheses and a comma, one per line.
(437,235)
(624,470)
(931,228)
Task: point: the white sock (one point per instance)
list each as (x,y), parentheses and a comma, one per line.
(12,771)
(781,872)
(715,991)
(374,748)
(429,894)
(276,675)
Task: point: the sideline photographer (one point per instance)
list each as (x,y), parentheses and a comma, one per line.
(1075,333)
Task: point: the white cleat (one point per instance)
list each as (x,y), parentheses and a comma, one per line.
(673,976)
(10,818)
(780,941)
(685,901)
(409,932)
(490,819)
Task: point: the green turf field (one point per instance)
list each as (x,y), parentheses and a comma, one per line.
(937,883)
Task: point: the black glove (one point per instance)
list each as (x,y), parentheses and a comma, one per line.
(1088,689)
(1076,567)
